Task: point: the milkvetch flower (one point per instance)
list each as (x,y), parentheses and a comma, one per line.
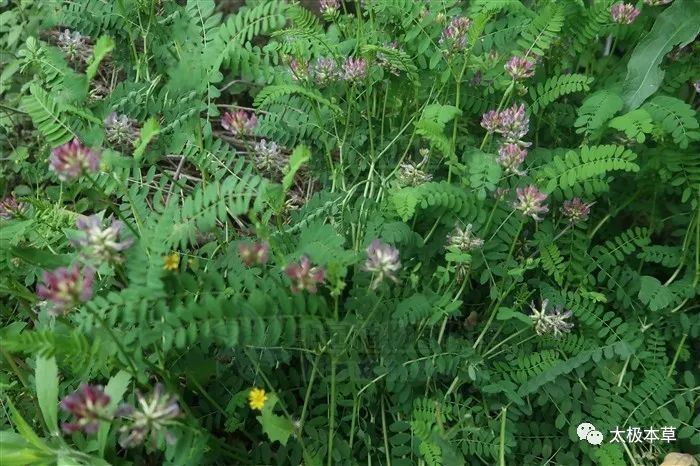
(72,160)
(530,201)
(99,242)
(239,123)
(520,67)
(383,261)
(304,276)
(550,322)
(624,13)
(87,405)
(355,69)
(150,416)
(455,34)
(254,254)
(10,208)
(66,288)
(575,210)
(510,157)
(464,239)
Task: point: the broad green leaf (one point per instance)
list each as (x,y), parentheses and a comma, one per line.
(25,429)
(116,387)
(150,129)
(46,378)
(298,158)
(277,428)
(678,24)
(103,46)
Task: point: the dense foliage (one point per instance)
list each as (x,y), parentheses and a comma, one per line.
(386,232)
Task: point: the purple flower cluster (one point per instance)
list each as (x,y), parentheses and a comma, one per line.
(454,36)
(530,202)
(254,254)
(98,242)
(575,210)
(299,69)
(75,45)
(325,71)
(464,239)
(304,276)
(10,208)
(269,157)
(150,416)
(624,13)
(239,123)
(355,69)
(520,67)
(66,288)
(512,123)
(510,157)
(554,323)
(121,130)
(72,160)
(329,7)
(88,405)
(383,261)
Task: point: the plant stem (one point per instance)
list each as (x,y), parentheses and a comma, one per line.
(502,443)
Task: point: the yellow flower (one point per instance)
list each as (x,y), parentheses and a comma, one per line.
(172,261)
(257,398)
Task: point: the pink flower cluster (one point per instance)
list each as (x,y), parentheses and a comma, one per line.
(454,36)
(88,406)
(530,202)
(304,276)
(355,69)
(383,261)
(72,159)
(254,254)
(575,210)
(98,242)
(66,288)
(624,13)
(239,123)
(329,7)
(10,208)
(511,124)
(520,67)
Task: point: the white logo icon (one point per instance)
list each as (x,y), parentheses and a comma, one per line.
(587,431)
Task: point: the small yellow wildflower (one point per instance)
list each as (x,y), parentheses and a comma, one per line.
(257,398)
(172,261)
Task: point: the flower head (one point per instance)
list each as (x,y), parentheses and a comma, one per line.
(411,174)
(454,36)
(383,261)
(510,157)
(88,405)
(329,7)
(254,254)
(171,261)
(384,61)
(75,45)
(268,157)
(99,242)
(355,69)
(325,70)
(530,201)
(624,13)
(575,210)
(304,276)
(10,208)
(151,415)
(464,239)
(72,159)
(66,288)
(120,129)
(520,67)
(239,123)
(300,70)
(547,322)
(257,398)
(491,121)
(514,124)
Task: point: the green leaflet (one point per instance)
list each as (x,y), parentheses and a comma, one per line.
(103,46)
(679,24)
(46,377)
